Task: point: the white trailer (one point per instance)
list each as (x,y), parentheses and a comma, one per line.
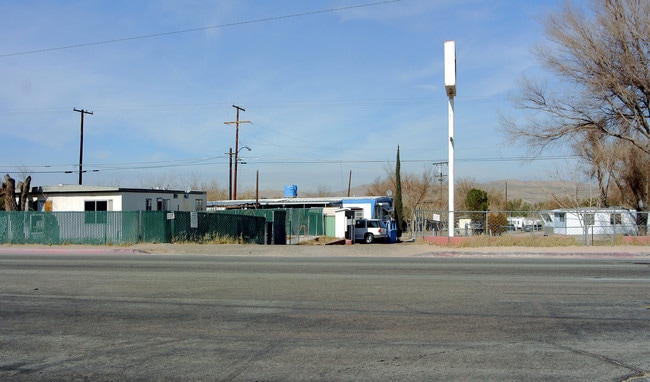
(590,221)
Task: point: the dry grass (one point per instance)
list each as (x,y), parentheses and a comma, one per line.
(214,239)
(509,241)
(320,240)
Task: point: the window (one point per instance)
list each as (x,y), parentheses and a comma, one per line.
(373,224)
(198,205)
(162,204)
(589,219)
(615,218)
(96,211)
(148,204)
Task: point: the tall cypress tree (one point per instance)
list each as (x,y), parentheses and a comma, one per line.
(398,209)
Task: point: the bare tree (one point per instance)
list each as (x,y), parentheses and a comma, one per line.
(379,186)
(24,193)
(463,186)
(599,157)
(601,60)
(417,189)
(8,193)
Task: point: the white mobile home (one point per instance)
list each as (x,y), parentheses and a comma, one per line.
(93,198)
(590,221)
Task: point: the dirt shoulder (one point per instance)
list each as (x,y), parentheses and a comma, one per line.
(358,250)
(389,250)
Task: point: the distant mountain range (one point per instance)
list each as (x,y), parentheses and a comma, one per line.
(528,191)
(541,191)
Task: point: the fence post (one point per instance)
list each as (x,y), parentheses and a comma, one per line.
(139,225)
(487,227)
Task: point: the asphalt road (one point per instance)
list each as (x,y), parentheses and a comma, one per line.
(251,318)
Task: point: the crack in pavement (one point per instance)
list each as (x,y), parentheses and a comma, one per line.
(637,373)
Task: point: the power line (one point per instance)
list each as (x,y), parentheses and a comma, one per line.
(213,160)
(333,103)
(198,29)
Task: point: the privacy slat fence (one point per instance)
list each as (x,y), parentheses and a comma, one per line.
(128,227)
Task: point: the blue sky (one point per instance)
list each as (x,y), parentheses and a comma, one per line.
(330,86)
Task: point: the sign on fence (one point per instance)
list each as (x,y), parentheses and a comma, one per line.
(194,220)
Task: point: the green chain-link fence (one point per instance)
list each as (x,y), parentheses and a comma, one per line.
(127,227)
(291,222)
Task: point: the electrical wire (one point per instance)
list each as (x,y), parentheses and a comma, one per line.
(198,29)
(217,160)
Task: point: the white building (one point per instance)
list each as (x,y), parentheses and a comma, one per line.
(96,198)
(590,221)
(520,223)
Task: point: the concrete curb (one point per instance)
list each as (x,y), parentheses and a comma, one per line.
(66,250)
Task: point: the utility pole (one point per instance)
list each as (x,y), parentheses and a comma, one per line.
(441,177)
(349,183)
(230,174)
(236,123)
(81,144)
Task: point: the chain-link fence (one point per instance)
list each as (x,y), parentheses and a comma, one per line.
(585,225)
(128,227)
(282,226)
(289,225)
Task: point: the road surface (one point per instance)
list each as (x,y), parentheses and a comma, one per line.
(271,318)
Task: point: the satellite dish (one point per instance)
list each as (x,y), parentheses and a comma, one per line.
(389,193)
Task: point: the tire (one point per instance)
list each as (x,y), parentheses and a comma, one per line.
(369,238)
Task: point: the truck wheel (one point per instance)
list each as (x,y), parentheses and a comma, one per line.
(369,238)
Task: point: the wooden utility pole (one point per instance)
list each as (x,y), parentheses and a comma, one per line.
(230,174)
(257,189)
(81,141)
(236,123)
(349,183)
(441,177)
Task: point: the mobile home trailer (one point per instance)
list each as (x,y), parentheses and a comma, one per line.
(590,221)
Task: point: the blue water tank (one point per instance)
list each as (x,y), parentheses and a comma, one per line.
(290,191)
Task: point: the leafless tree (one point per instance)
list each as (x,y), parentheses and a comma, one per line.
(463,186)
(416,188)
(380,185)
(600,59)
(8,193)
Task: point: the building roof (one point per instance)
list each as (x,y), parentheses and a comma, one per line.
(80,189)
(295,202)
(590,209)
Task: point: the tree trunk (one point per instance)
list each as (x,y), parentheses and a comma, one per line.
(10,194)
(24,193)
